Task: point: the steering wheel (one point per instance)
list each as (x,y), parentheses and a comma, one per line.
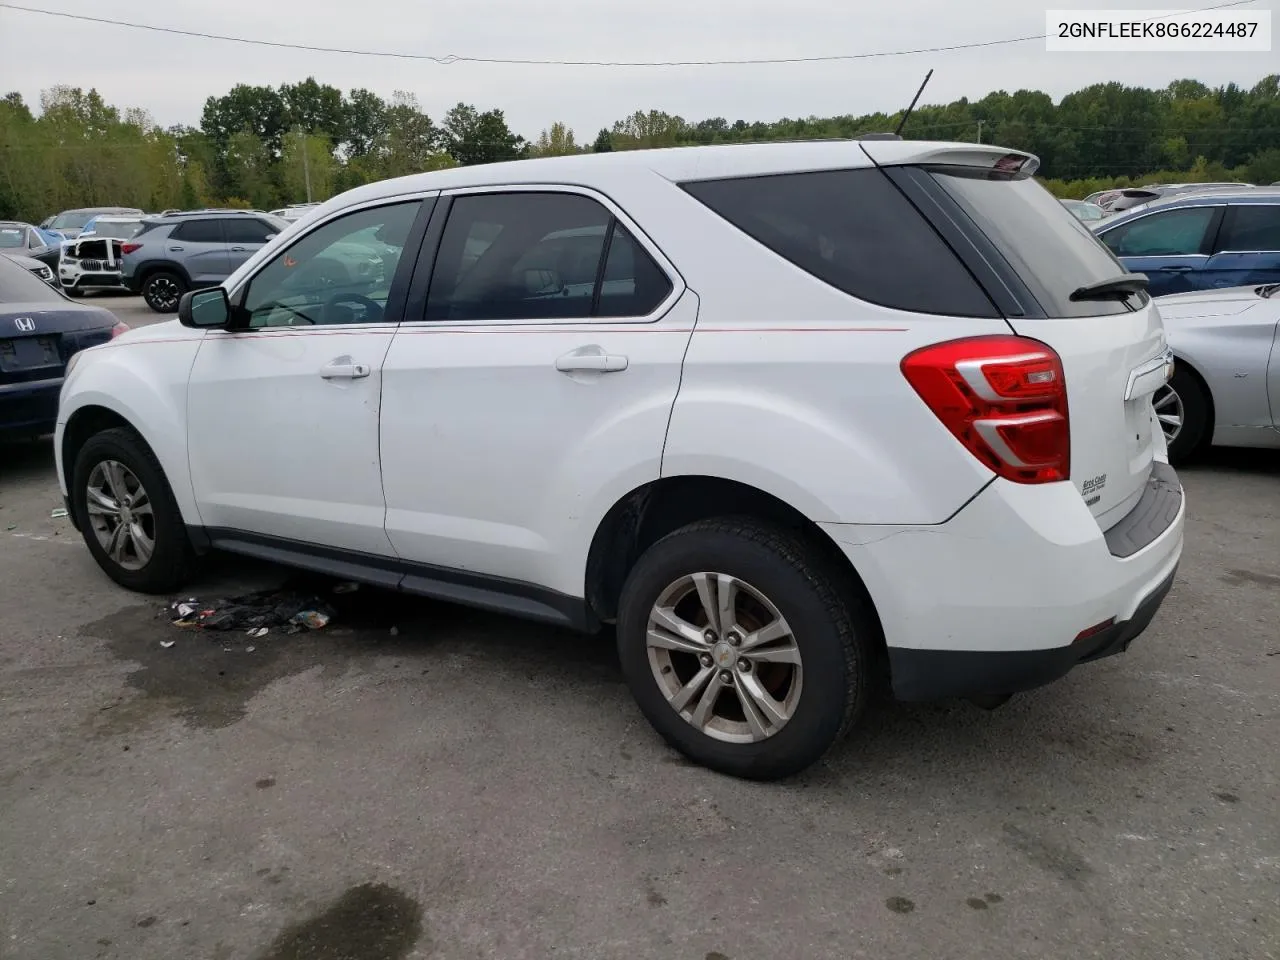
(373,309)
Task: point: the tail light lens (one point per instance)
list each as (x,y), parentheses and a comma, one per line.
(119,328)
(1004,398)
(130,247)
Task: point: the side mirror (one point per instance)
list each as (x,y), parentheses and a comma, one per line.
(271,236)
(205,309)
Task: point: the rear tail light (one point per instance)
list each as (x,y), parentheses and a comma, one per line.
(119,328)
(1004,398)
(130,247)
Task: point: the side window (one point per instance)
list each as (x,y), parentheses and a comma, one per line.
(518,256)
(633,285)
(854,230)
(1252,228)
(1169,234)
(537,256)
(199,231)
(248,230)
(340,272)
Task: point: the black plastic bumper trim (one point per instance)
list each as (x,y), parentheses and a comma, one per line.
(1151,516)
(939,674)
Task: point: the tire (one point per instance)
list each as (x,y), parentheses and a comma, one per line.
(162,290)
(829,634)
(1186,399)
(171,559)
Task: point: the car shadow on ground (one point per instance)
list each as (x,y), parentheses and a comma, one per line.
(1227,460)
(26,459)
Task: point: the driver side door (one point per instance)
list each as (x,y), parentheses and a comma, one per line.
(283,407)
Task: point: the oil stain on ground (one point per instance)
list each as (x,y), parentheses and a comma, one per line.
(370,922)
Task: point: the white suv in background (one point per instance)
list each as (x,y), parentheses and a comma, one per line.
(798,418)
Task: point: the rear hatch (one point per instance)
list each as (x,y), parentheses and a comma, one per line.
(1111,343)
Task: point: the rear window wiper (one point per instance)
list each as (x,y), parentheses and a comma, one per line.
(1117,288)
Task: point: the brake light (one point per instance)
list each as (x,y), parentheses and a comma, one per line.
(130,247)
(119,328)
(1004,398)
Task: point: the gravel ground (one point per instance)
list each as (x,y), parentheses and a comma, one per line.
(469,786)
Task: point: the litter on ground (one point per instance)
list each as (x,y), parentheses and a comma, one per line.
(255,613)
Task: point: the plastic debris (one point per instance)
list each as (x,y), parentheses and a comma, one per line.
(250,649)
(311,619)
(167,643)
(349,587)
(59,513)
(255,613)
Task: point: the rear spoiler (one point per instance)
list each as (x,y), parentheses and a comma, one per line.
(896,153)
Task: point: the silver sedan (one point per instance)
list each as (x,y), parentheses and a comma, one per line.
(1225,389)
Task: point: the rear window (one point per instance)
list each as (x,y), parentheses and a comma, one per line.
(19,285)
(1052,252)
(854,230)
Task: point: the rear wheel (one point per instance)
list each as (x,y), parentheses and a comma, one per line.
(740,650)
(127,513)
(162,291)
(1182,407)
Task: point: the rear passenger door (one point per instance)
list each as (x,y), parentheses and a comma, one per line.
(530,384)
(201,248)
(1171,247)
(245,237)
(1248,247)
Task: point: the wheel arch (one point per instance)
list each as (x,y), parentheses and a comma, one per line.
(649,512)
(1180,362)
(149,268)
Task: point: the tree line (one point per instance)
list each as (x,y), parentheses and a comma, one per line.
(261,146)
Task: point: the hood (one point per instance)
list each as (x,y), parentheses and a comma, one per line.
(167,330)
(1209,303)
(94,248)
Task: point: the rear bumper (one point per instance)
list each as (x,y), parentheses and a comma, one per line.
(1018,587)
(29,408)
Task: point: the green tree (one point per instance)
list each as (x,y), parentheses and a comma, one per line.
(472,137)
(555,142)
(365,123)
(249,170)
(307,167)
(603,143)
(259,110)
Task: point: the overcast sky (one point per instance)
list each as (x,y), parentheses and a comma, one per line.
(171,76)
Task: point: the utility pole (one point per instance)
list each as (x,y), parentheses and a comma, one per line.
(979,131)
(306,163)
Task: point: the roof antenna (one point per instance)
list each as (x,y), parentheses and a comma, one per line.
(903,122)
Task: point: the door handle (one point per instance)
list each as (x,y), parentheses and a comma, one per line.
(237,249)
(175,249)
(1179,269)
(591,359)
(343,368)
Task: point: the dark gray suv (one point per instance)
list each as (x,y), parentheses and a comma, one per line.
(197,248)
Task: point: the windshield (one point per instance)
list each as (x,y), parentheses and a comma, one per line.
(118,231)
(18,285)
(12,237)
(70,221)
(1052,252)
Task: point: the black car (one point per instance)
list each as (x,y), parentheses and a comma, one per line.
(24,240)
(40,329)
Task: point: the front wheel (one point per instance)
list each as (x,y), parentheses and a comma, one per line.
(740,649)
(162,291)
(127,513)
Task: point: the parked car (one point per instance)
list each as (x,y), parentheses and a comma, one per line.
(92,261)
(186,251)
(1200,241)
(25,240)
(31,265)
(40,330)
(1225,389)
(1088,212)
(813,472)
(69,223)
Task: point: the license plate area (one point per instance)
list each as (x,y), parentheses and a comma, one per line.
(22,354)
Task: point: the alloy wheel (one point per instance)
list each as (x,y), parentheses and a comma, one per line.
(120,514)
(1168,408)
(163,294)
(724,657)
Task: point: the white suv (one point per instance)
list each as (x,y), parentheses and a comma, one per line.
(798,418)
